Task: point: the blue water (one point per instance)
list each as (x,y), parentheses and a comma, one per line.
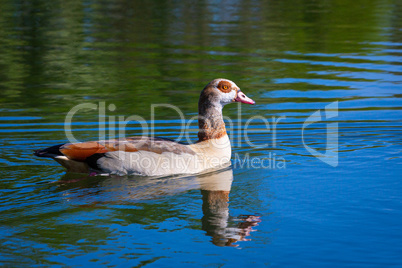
(286,207)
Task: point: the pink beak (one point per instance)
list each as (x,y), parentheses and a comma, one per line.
(241,97)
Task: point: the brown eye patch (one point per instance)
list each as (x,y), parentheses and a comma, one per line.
(224,86)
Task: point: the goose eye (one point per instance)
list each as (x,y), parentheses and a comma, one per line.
(224,86)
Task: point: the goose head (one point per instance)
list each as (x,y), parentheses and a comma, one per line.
(220,92)
(214,96)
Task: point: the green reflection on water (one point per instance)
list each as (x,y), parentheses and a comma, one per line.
(54,55)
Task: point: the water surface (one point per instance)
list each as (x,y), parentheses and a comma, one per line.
(292,57)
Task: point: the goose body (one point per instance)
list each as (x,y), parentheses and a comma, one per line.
(151,156)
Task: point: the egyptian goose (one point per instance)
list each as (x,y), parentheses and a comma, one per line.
(151,156)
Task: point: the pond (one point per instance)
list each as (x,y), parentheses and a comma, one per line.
(316,163)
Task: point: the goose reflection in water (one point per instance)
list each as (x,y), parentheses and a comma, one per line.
(224,230)
(215,186)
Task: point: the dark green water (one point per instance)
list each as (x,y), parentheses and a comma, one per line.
(292,57)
